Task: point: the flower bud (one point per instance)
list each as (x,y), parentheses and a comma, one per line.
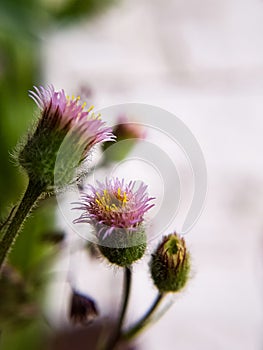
(170,264)
(127,135)
(83,309)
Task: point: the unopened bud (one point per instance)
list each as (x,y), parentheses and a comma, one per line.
(127,135)
(170,264)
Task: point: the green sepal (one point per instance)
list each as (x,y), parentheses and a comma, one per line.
(123,247)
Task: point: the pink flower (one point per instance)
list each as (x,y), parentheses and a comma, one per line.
(59,112)
(61,140)
(114,205)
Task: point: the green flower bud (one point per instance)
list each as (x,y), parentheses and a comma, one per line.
(170,264)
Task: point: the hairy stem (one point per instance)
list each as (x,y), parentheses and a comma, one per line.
(144,321)
(126,293)
(30,197)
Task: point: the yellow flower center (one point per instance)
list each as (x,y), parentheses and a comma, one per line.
(112,201)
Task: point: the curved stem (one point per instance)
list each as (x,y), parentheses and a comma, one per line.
(31,195)
(126,294)
(143,322)
(4,223)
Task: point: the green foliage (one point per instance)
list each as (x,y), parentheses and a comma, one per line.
(30,337)
(72,9)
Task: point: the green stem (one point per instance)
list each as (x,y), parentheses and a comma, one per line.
(31,195)
(143,322)
(126,294)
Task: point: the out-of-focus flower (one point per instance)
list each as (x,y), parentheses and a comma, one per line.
(116,211)
(126,129)
(127,135)
(83,309)
(61,116)
(170,264)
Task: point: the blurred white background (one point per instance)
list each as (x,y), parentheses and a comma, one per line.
(203,61)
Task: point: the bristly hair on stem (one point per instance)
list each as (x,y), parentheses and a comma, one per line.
(30,198)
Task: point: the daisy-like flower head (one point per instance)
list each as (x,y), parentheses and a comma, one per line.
(64,122)
(65,113)
(116,211)
(115,205)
